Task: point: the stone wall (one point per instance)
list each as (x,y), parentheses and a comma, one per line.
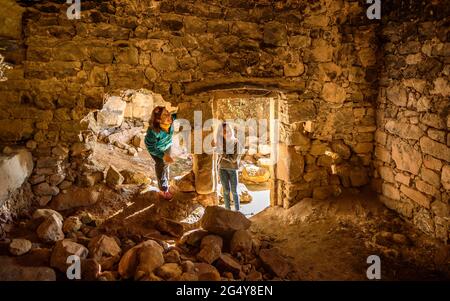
(412,153)
(321,55)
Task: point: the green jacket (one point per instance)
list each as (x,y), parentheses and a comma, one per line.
(159,142)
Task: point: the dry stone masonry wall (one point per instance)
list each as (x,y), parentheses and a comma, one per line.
(412,153)
(322,55)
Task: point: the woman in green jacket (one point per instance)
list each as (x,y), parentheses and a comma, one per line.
(158,141)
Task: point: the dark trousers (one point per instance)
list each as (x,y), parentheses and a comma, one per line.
(162,173)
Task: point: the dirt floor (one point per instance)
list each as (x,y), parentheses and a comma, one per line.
(331,240)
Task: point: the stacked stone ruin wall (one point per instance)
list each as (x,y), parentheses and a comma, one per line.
(323,56)
(412,153)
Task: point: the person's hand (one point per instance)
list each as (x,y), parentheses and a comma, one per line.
(167,158)
(171,109)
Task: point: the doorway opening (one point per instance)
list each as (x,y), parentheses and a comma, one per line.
(253,116)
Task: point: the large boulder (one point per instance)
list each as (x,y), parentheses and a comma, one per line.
(172,256)
(104,250)
(150,258)
(90,269)
(188,277)
(132,259)
(209,254)
(223,222)
(212,240)
(75,197)
(62,250)
(45,189)
(50,230)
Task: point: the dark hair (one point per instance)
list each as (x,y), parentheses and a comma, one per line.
(220,139)
(155,119)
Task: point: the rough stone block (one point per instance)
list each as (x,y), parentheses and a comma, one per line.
(14,170)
